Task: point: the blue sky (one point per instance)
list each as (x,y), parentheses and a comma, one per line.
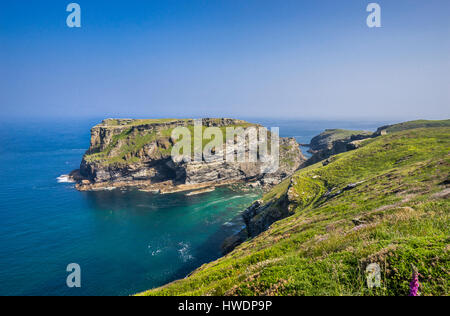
(313,59)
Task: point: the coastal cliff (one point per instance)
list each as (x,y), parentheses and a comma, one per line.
(126,152)
(316,233)
(335,141)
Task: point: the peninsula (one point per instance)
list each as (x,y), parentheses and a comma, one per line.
(126,152)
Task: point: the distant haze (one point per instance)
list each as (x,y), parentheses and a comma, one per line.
(234,58)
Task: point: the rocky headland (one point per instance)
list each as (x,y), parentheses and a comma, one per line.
(335,141)
(127,152)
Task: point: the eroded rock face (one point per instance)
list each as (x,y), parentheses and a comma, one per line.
(333,142)
(258,217)
(110,160)
(154,172)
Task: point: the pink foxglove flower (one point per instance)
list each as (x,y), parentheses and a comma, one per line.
(414,285)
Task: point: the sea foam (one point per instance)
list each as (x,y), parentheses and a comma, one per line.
(64,179)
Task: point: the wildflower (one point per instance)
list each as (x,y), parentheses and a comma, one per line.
(414,285)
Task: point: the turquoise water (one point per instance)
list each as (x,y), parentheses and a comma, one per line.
(125,241)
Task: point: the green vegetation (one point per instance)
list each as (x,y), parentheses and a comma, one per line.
(204,141)
(386,203)
(329,136)
(417,124)
(131,122)
(126,147)
(336,134)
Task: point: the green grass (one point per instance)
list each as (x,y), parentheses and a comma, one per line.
(331,135)
(417,124)
(343,133)
(132,144)
(319,250)
(130,123)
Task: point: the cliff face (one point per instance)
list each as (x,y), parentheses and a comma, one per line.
(138,153)
(279,203)
(411,125)
(335,141)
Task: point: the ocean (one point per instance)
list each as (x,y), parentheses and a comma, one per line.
(125,241)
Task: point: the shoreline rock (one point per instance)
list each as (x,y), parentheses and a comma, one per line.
(335,141)
(202,191)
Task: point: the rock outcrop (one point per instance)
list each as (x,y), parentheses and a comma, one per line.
(335,141)
(127,152)
(387,129)
(259,216)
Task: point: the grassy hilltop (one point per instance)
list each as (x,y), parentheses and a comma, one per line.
(386,203)
(415,124)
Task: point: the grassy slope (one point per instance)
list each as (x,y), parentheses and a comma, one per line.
(320,251)
(336,134)
(132,145)
(133,122)
(329,136)
(417,124)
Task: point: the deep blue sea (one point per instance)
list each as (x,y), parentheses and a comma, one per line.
(125,241)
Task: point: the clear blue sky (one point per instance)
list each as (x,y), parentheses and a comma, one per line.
(236,58)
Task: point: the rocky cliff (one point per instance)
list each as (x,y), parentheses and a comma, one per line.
(335,141)
(125,152)
(278,204)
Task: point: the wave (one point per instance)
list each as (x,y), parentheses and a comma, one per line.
(223,200)
(65,179)
(154,252)
(185,252)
